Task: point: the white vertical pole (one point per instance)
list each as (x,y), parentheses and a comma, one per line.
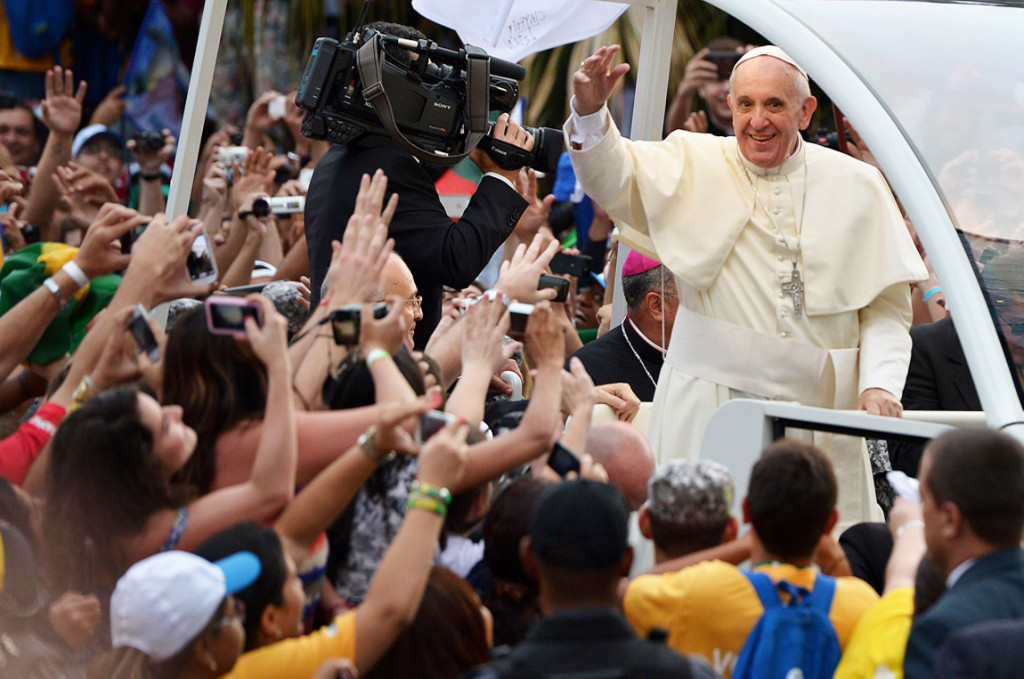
(196,101)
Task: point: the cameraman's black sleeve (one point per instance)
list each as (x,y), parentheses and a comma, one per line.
(437,250)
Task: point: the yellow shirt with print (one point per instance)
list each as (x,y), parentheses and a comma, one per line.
(879,642)
(709,609)
(298,658)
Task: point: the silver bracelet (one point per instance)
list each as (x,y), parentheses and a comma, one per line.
(914,523)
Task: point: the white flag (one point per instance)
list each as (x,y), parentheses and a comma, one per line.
(513,29)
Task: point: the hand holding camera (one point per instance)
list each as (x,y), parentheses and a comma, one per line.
(269,340)
(442,459)
(385,333)
(169,261)
(152,149)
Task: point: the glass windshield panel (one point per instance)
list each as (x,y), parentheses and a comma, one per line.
(952,75)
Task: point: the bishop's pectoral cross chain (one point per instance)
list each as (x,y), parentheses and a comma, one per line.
(795,287)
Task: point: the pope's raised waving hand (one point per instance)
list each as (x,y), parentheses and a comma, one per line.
(594,81)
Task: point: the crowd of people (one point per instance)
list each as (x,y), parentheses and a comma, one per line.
(390,466)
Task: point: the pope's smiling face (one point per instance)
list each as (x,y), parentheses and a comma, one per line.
(768,111)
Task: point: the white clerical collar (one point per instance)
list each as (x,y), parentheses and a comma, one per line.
(644,337)
(958,572)
(794,161)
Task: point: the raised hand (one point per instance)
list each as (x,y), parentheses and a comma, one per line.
(594,81)
(537,211)
(357,261)
(62,107)
(269,341)
(386,333)
(255,180)
(518,276)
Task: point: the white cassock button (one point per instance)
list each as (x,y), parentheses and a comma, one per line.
(783,334)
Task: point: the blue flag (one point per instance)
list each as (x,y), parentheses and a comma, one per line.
(156,78)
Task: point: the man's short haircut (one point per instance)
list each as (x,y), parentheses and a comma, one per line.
(981,471)
(689,503)
(399,31)
(636,287)
(791,496)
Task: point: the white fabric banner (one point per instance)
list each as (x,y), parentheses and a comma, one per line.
(514,29)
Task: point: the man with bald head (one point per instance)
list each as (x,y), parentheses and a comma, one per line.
(624,453)
(792,262)
(397,279)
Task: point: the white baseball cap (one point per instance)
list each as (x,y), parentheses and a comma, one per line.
(164,601)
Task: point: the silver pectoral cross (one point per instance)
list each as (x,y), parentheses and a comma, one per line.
(795,287)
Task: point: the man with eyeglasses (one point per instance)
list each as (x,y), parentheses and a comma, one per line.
(397,279)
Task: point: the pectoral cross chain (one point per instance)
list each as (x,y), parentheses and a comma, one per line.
(795,287)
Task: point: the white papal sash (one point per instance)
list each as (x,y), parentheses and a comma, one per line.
(764,365)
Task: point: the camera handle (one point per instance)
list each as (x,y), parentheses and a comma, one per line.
(369,60)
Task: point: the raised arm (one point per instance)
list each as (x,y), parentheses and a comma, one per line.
(352,278)
(272,483)
(541,422)
(62,113)
(486,323)
(397,587)
(327,495)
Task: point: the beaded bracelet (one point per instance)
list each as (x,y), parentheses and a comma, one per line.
(442,494)
(430,504)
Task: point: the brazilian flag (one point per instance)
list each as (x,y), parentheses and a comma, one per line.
(25,270)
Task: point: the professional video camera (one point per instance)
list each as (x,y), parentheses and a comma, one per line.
(437,106)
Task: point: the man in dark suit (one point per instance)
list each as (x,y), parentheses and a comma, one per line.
(991,650)
(634,351)
(972,486)
(437,250)
(938,379)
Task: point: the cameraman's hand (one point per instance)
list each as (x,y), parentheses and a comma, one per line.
(519,276)
(510,132)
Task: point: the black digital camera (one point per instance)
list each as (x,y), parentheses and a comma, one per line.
(436,106)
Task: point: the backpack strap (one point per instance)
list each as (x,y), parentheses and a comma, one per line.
(765,588)
(824,589)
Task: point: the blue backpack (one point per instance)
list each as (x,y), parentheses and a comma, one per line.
(38,26)
(794,640)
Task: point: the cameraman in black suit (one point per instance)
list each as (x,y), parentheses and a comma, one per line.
(438,251)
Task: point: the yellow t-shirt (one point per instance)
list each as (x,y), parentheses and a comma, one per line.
(298,658)
(709,609)
(879,641)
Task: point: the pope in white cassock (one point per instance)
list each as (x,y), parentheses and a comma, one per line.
(792,261)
